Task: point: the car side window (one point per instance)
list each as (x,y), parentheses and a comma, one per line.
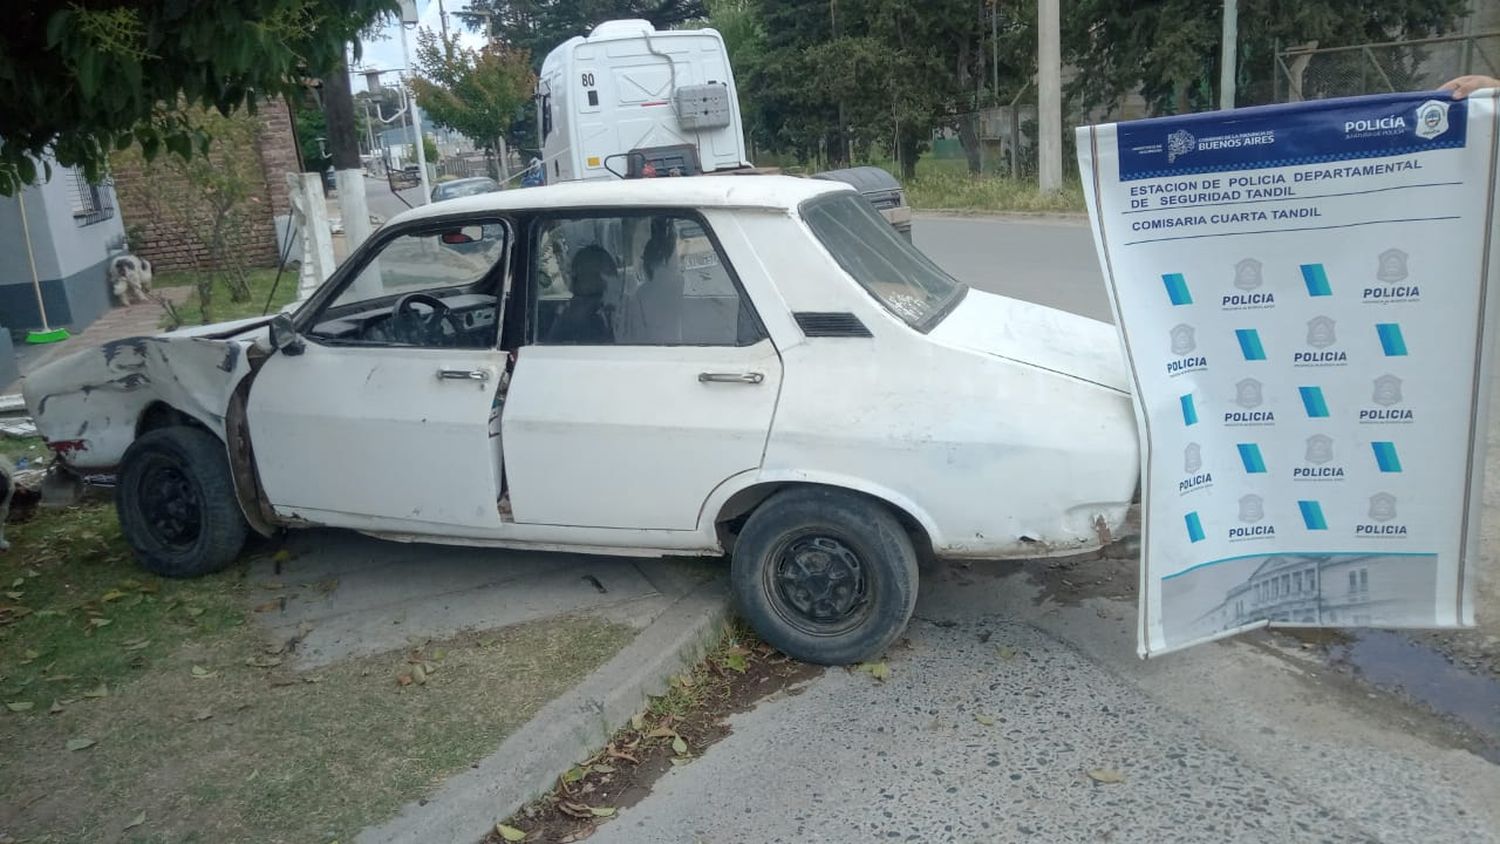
(427,260)
(654,279)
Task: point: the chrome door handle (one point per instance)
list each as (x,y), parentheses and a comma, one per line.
(480,375)
(731,377)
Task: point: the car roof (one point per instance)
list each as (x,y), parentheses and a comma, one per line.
(748,191)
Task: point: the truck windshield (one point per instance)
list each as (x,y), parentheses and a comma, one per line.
(904,280)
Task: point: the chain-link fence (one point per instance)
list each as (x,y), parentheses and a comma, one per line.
(1308,73)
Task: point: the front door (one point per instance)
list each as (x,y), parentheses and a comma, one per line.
(382,421)
(646,381)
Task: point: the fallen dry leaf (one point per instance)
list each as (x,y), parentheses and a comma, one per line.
(509,833)
(879,670)
(1106,776)
(111,595)
(137,644)
(100,621)
(98,691)
(602,811)
(19,706)
(601,768)
(403,679)
(203,715)
(418,674)
(136,821)
(986,720)
(55,709)
(80,744)
(577,810)
(193,611)
(201,673)
(638,721)
(268,606)
(1005,652)
(679,746)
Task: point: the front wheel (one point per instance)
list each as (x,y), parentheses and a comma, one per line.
(177,504)
(824,575)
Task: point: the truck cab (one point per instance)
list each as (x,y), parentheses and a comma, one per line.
(630,101)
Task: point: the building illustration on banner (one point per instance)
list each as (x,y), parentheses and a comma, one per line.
(1312,589)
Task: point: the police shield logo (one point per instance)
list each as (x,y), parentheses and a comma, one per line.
(1382,506)
(1247,274)
(1180,143)
(1432,119)
(1247,393)
(1320,332)
(1252,508)
(1387,391)
(1392,266)
(1183,340)
(1319,448)
(1192,458)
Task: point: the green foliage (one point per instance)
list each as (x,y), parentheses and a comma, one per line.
(1170,48)
(79,80)
(478,93)
(209,198)
(430,150)
(537,26)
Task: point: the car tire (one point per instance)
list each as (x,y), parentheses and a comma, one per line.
(177,505)
(826,576)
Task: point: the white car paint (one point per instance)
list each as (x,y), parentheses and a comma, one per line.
(1004,431)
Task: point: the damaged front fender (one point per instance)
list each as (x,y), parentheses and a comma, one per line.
(88,406)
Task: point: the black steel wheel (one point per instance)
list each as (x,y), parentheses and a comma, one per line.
(826,576)
(176,502)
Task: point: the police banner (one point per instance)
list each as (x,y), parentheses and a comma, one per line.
(1306,295)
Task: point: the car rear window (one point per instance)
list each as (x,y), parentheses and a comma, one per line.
(899,276)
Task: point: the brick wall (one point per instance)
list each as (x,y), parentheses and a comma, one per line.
(266,147)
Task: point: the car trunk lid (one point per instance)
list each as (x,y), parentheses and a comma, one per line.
(1035,335)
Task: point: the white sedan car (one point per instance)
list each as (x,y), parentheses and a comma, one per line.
(750,365)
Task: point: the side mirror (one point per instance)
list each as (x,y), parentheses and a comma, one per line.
(284,336)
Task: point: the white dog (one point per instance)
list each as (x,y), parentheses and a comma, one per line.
(130,278)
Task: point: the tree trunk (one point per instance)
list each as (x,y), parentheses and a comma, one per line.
(968,138)
(338,108)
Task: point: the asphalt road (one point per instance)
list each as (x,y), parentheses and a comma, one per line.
(1013,715)
(1048,260)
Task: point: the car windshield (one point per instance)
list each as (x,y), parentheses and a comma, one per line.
(904,280)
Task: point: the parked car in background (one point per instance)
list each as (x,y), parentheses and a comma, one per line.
(757,366)
(464,187)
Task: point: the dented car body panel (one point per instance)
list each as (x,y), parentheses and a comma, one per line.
(88,406)
(996,428)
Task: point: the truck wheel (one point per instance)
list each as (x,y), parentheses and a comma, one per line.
(177,505)
(825,576)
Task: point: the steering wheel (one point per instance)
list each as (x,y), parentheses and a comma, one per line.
(410,325)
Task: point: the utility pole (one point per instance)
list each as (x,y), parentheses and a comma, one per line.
(409,18)
(343,139)
(1227,59)
(1049,96)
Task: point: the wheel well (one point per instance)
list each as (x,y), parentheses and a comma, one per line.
(159,414)
(737,509)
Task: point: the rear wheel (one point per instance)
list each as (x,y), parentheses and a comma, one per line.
(824,575)
(177,505)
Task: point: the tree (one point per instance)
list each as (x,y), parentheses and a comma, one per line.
(1169,49)
(537,26)
(478,93)
(208,198)
(78,80)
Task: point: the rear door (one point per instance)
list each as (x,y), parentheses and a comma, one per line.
(646,380)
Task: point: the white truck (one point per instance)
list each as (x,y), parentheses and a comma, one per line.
(629,101)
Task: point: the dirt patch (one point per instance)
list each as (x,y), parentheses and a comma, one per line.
(676,728)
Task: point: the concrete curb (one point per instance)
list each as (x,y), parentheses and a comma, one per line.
(565,731)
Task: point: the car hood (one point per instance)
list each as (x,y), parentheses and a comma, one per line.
(220,329)
(1046,338)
